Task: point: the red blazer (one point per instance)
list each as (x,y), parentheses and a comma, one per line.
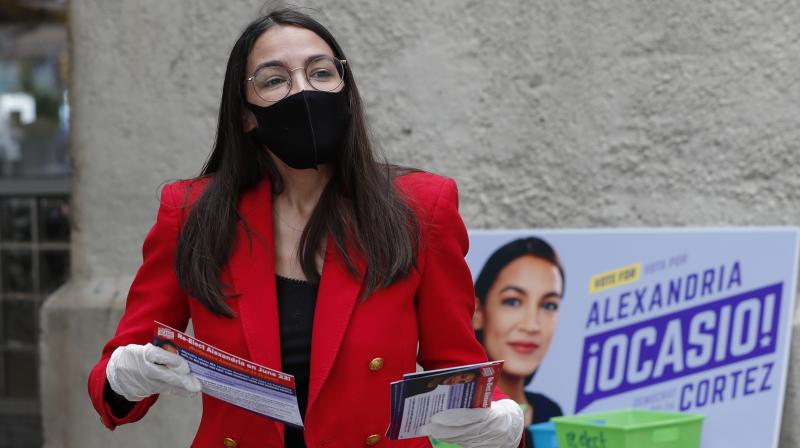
(348,403)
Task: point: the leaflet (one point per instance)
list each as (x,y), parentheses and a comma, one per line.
(420,395)
(233,379)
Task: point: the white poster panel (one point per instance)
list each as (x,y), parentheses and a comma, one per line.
(688,320)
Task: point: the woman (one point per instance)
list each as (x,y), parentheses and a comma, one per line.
(297,250)
(518,295)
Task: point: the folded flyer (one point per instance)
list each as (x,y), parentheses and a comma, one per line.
(233,379)
(420,395)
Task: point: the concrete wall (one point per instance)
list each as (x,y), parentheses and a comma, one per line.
(557,113)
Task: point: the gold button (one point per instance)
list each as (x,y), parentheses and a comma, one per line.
(375,438)
(375,365)
(230,443)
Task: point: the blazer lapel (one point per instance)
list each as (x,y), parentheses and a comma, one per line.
(253,271)
(336,298)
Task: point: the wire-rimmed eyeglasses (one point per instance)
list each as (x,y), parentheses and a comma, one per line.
(273,83)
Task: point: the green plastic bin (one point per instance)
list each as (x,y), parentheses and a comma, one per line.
(629,428)
(437,444)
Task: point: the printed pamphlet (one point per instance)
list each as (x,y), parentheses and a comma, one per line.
(418,396)
(233,379)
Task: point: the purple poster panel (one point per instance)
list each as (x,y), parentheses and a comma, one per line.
(682,320)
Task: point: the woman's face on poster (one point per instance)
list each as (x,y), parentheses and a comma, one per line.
(520,313)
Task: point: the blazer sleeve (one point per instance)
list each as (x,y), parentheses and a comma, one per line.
(154,295)
(445,296)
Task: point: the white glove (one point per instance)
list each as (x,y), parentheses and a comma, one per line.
(138,371)
(499,426)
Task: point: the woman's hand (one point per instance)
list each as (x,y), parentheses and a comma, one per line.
(499,426)
(138,371)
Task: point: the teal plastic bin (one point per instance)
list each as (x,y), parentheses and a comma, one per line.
(544,435)
(629,428)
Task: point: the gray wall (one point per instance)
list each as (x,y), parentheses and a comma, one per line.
(559,113)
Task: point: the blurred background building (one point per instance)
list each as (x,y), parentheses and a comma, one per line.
(34,200)
(548,113)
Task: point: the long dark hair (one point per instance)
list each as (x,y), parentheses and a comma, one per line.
(505,255)
(359,206)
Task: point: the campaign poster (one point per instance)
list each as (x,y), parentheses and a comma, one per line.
(685,320)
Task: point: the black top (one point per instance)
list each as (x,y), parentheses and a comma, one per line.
(543,410)
(296,301)
(120,407)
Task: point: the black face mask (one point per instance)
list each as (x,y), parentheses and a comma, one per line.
(305,129)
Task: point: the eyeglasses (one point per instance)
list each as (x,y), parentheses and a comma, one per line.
(273,83)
